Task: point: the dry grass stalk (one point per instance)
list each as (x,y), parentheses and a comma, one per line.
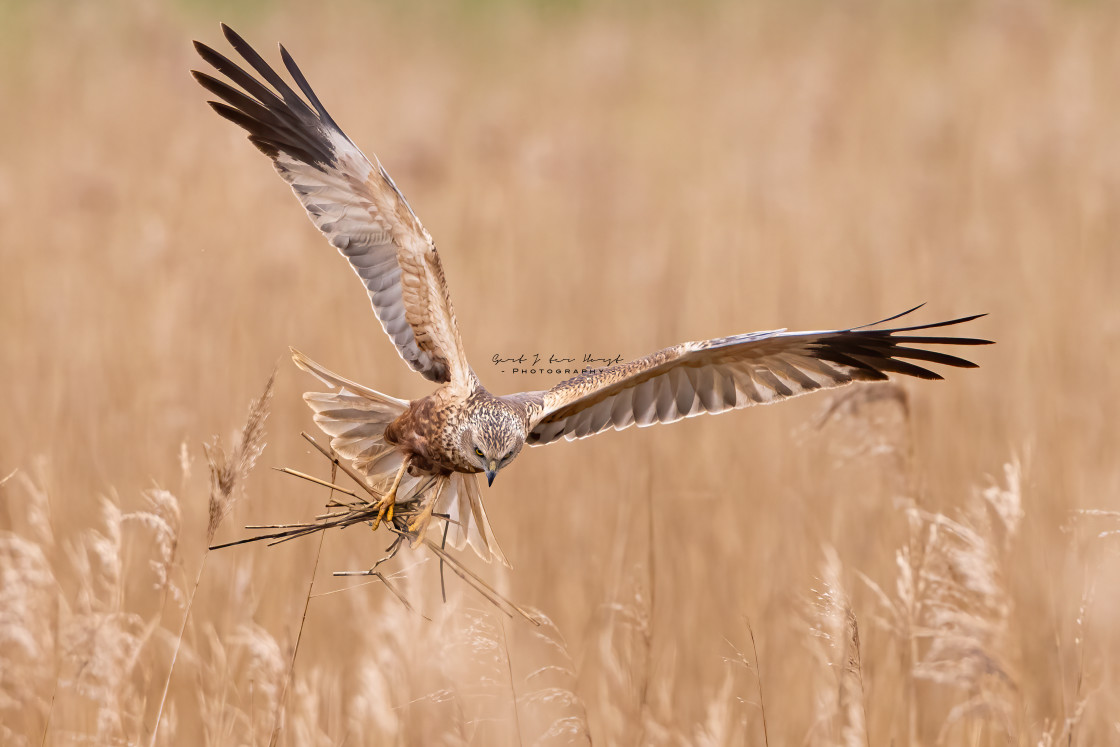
(279,720)
(1094,532)
(632,699)
(227,472)
(551,710)
(28,592)
(475,666)
(29,614)
(242,672)
(162,517)
(722,725)
(840,707)
(967,615)
(755,668)
(269,674)
(348,513)
(952,609)
(103,640)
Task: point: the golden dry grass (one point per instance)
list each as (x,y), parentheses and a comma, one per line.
(600,180)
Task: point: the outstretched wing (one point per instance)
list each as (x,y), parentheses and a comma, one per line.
(352,201)
(731,372)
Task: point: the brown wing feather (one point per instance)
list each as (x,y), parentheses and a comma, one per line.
(352,200)
(729,373)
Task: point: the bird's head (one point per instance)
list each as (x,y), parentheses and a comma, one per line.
(492,437)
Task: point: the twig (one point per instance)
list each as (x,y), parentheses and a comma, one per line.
(481,586)
(345,468)
(443,545)
(512,686)
(389,585)
(299,635)
(316,480)
(385,580)
(178,645)
(758,679)
(364,513)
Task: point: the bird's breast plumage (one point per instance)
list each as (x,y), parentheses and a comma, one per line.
(429,431)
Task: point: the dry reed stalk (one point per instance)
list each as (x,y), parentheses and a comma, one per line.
(553,711)
(719,727)
(99,641)
(475,662)
(841,707)
(623,646)
(757,667)
(227,472)
(349,513)
(967,625)
(102,639)
(27,592)
(752,666)
(867,432)
(951,608)
(631,701)
(29,607)
(392,662)
(317,708)
(266,671)
(279,720)
(515,700)
(229,664)
(1103,528)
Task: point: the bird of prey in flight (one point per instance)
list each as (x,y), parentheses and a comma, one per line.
(432,449)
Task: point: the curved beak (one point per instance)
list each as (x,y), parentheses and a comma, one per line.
(491,472)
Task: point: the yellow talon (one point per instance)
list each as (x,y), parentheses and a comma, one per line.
(419,525)
(387,502)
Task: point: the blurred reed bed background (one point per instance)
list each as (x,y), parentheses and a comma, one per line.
(910,565)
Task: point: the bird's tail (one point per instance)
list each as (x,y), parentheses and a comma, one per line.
(355,418)
(460,504)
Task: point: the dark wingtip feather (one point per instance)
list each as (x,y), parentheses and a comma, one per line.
(934,325)
(882,351)
(240,119)
(889,318)
(277,124)
(941,340)
(301,81)
(908,369)
(835,355)
(209,54)
(258,63)
(231,36)
(207,81)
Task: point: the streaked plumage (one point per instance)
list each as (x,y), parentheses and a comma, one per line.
(431,448)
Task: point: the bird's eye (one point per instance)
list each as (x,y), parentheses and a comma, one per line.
(478,451)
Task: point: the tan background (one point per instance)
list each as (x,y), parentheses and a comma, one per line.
(600,178)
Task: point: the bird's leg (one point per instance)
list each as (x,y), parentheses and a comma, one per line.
(419,525)
(385,505)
